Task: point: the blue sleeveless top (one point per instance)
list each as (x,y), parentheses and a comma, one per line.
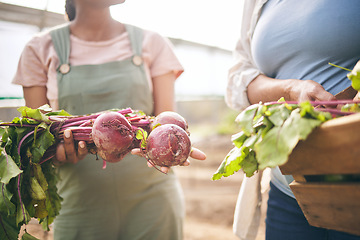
(298,38)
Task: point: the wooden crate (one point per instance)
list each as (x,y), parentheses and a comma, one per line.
(333,148)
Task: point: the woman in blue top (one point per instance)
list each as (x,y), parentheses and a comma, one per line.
(284,51)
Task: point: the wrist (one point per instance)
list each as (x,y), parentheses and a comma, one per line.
(289,89)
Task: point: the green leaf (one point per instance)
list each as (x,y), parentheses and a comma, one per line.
(45,108)
(308,111)
(34,114)
(22,215)
(245,119)
(249,165)
(238,139)
(53,199)
(250,141)
(58,113)
(142,135)
(231,163)
(27,236)
(279,114)
(39,175)
(6,206)
(351,108)
(8,168)
(354,76)
(267,125)
(36,191)
(40,209)
(41,144)
(279,142)
(8,229)
(53,206)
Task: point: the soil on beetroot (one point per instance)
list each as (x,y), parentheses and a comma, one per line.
(209,204)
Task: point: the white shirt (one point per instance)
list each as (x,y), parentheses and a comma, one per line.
(248,206)
(244,70)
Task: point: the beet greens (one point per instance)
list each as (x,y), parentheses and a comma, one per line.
(270,131)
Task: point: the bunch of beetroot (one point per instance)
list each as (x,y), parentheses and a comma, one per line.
(163,140)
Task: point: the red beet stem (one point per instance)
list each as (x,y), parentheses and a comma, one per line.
(316,103)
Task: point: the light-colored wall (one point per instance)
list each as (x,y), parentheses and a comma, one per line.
(205,66)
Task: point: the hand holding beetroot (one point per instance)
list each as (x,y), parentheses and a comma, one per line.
(163,140)
(168,143)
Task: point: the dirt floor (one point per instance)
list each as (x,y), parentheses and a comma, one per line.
(209,204)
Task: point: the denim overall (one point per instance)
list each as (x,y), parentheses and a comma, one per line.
(127,200)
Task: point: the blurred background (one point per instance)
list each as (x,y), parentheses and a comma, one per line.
(204,34)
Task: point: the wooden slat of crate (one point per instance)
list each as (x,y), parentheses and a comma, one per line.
(333,148)
(332,206)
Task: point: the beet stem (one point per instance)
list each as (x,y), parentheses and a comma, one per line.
(152,164)
(316,103)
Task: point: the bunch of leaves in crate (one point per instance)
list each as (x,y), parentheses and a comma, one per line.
(270,131)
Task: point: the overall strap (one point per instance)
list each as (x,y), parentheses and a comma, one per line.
(136,38)
(61,39)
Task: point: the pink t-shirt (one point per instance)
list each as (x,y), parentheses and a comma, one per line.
(38,62)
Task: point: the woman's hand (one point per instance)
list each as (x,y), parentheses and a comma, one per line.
(195,153)
(266,89)
(67,152)
(307,90)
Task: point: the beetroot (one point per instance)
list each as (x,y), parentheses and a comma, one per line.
(172,118)
(113,135)
(168,145)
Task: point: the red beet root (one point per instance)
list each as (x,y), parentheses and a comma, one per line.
(168,145)
(112,134)
(169,117)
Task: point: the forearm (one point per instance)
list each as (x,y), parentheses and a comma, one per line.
(266,89)
(164,93)
(35,96)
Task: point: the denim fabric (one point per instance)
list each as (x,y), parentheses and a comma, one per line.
(285,221)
